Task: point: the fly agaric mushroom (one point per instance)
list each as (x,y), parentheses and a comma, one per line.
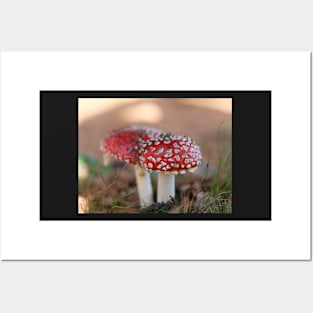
(124,144)
(169,155)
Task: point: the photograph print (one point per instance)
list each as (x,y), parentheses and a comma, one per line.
(155,155)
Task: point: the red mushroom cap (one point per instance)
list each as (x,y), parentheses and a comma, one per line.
(124,143)
(169,154)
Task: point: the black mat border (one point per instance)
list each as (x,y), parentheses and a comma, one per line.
(58,132)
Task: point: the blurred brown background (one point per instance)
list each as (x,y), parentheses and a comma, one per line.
(207,121)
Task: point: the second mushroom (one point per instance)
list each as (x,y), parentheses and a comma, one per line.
(124,144)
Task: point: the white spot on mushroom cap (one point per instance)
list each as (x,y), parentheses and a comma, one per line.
(151,158)
(160,151)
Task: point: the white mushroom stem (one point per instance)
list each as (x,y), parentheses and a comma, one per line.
(144,186)
(166,187)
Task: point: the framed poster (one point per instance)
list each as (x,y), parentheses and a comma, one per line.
(245,207)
